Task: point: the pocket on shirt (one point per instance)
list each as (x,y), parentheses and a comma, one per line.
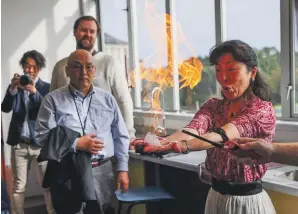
(66,119)
(101,119)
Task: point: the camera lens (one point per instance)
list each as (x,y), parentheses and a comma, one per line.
(25,80)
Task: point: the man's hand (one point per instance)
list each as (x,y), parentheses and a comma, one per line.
(30,88)
(123,181)
(15,81)
(254,151)
(90,144)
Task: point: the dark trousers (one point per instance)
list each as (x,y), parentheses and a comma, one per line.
(67,202)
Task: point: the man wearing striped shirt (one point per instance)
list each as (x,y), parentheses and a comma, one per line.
(94,113)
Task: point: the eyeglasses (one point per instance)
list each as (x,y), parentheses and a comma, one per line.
(79,67)
(29,66)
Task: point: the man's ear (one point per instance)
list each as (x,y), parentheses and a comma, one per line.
(66,70)
(94,71)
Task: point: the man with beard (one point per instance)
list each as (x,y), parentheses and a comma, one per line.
(108,77)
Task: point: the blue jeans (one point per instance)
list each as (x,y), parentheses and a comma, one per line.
(5,212)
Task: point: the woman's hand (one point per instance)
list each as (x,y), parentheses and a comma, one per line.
(166,146)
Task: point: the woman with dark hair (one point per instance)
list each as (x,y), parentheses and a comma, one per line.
(244,111)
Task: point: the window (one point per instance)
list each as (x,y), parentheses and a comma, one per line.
(295,74)
(190,42)
(246,21)
(195,37)
(152,49)
(202,23)
(115,39)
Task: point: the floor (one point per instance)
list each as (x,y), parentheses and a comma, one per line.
(35,205)
(41,209)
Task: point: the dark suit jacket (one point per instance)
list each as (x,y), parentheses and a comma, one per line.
(68,174)
(16,103)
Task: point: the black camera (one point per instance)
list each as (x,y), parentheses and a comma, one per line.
(25,80)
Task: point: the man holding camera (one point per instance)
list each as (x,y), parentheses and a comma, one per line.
(23,97)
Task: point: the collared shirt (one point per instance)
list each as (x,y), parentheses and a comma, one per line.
(25,131)
(104,119)
(109,77)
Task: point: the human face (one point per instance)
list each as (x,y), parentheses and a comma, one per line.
(30,68)
(86,34)
(81,70)
(233,76)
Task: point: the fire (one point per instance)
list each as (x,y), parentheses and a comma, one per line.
(161,74)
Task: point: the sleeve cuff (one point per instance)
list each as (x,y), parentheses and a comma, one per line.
(74,145)
(122,166)
(13,92)
(33,94)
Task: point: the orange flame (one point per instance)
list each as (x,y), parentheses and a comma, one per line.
(190,70)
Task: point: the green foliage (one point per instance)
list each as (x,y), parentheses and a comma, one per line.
(268,58)
(269,68)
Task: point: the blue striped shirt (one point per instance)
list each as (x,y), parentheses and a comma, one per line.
(104,119)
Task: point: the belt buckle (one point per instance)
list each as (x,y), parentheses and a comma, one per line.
(95,163)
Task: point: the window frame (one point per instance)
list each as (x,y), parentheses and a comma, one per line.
(293,40)
(287,54)
(287,60)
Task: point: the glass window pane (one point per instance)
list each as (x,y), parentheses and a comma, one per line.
(152,48)
(115,38)
(246,21)
(296,88)
(195,37)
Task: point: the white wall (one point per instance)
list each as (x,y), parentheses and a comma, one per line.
(43,25)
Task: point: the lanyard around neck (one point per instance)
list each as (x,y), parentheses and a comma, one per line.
(73,97)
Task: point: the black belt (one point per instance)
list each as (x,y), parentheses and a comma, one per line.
(25,140)
(98,162)
(237,188)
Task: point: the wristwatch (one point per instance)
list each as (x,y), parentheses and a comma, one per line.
(188,147)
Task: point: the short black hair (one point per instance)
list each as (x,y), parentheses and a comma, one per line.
(85,18)
(38,57)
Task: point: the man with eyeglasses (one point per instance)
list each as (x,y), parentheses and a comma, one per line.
(108,76)
(24,99)
(82,128)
